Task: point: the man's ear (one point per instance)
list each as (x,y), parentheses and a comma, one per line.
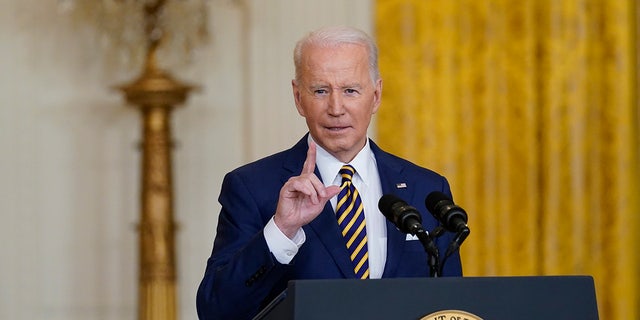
(296,97)
(377,96)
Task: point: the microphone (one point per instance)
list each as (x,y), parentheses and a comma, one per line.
(452,217)
(404,216)
(409,220)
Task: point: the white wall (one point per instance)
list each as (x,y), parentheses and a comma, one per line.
(69,163)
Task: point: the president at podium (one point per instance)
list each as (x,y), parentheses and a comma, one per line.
(311,212)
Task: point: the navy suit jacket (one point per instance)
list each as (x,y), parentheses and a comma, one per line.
(242,275)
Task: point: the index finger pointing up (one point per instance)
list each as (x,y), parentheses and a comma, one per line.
(310,163)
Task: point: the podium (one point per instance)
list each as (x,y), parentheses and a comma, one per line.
(487,298)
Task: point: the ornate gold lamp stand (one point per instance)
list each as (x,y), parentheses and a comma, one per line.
(156,93)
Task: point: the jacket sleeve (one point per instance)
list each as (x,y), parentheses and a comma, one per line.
(241,272)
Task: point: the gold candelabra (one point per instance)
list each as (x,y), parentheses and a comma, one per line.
(144,26)
(155,93)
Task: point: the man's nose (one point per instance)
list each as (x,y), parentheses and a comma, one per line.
(336,104)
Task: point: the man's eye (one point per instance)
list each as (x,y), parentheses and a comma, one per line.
(351,91)
(320,91)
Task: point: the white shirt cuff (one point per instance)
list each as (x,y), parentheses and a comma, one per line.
(283,248)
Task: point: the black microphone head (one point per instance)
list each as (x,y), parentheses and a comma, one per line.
(452,217)
(396,210)
(386,204)
(433,199)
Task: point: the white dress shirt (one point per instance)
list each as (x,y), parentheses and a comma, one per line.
(367,181)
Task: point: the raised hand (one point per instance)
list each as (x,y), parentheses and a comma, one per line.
(302,197)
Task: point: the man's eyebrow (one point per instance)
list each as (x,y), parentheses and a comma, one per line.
(314,87)
(351,85)
(341,87)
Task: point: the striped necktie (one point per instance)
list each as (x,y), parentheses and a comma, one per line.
(350,214)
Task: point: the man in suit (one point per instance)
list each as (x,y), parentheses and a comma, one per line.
(278,220)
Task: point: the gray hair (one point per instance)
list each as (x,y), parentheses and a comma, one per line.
(334,36)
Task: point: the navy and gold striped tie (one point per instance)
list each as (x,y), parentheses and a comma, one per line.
(350,214)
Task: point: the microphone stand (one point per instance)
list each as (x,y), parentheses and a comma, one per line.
(455,245)
(432,252)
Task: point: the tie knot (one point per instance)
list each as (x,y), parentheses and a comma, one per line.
(346,172)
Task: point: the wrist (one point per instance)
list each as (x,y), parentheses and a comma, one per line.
(289,231)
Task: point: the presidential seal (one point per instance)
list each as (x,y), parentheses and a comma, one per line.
(451,315)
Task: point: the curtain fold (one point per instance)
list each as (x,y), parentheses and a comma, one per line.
(530,109)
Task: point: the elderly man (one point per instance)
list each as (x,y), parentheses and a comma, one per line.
(311,212)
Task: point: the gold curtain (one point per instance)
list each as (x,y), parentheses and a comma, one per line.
(529,107)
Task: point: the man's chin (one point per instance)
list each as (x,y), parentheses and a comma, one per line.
(342,150)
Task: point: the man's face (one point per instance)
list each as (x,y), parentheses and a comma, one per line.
(337,97)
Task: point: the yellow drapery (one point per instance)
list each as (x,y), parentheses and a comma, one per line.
(529,107)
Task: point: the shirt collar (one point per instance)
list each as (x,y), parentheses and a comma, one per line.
(329,166)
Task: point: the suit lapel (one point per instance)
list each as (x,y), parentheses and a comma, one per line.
(393,181)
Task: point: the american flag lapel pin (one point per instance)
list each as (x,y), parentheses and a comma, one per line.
(401,185)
